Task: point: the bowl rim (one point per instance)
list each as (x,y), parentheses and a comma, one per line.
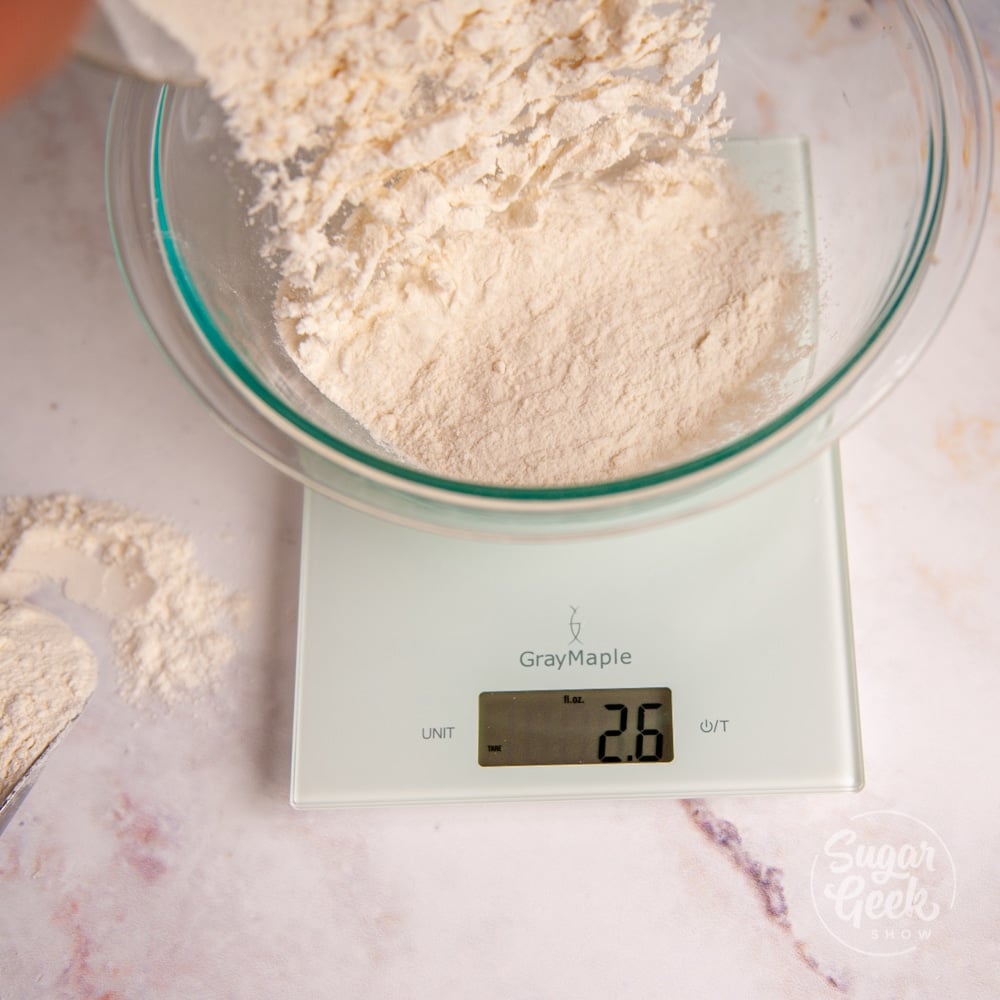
(894,299)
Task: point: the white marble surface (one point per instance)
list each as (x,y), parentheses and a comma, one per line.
(158,856)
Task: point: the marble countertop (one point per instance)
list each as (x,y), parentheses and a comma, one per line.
(158,855)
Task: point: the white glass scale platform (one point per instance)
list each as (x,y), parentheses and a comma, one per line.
(711,655)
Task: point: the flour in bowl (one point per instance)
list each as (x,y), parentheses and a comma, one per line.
(508,242)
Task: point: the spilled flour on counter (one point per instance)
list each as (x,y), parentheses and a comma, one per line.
(47,673)
(170,622)
(509,244)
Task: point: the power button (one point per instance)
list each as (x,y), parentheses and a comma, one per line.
(714,725)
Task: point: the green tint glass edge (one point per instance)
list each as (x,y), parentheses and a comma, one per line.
(205,324)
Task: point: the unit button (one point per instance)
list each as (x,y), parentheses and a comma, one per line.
(714,725)
(438,732)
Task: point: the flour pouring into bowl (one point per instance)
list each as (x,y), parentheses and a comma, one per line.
(508,240)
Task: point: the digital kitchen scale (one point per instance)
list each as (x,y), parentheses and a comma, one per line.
(710,655)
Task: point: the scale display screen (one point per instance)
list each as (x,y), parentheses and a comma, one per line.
(589,726)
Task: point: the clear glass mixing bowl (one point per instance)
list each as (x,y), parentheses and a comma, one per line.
(892,101)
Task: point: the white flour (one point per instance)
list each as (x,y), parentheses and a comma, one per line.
(658,313)
(169,621)
(46,676)
(507,244)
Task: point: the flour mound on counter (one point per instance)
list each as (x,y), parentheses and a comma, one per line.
(170,622)
(486,219)
(47,673)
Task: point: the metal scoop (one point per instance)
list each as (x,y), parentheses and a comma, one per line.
(33,643)
(120,37)
(13,799)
